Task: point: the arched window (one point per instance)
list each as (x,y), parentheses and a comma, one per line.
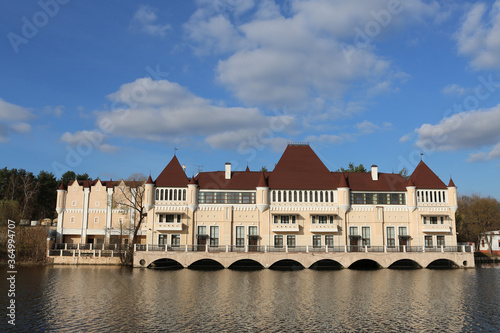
(170,195)
(274,196)
(284,196)
(331,197)
(311,197)
(315,196)
(300,196)
(183,195)
(161,195)
(279,196)
(321,196)
(175,195)
(157,195)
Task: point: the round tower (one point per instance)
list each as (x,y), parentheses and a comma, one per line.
(344,194)
(149,188)
(452,196)
(192,195)
(61,199)
(411,191)
(262,193)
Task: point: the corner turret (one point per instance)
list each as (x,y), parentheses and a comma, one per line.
(262,193)
(452,196)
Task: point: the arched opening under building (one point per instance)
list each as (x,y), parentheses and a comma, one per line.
(246,265)
(442,264)
(326,265)
(206,265)
(405,264)
(365,265)
(165,264)
(287,265)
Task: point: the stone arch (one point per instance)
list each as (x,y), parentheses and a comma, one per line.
(166,264)
(365,264)
(287,264)
(405,264)
(206,264)
(246,264)
(326,264)
(442,264)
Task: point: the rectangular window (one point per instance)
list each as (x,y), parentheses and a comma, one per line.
(290,241)
(391,237)
(161,218)
(96,219)
(329,240)
(214,236)
(357,198)
(176,240)
(240,236)
(72,219)
(428,241)
(424,219)
(381,199)
(369,198)
(441,219)
(169,218)
(252,231)
(440,241)
(402,231)
(202,230)
(323,219)
(433,220)
(278,241)
(284,219)
(162,239)
(316,241)
(97,203)
(394,199)
(353,231)
(73,203)
(365,236)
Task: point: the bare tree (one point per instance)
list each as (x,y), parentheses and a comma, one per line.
(131,196)
(29,188)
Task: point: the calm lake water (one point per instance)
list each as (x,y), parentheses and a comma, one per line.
(69,298)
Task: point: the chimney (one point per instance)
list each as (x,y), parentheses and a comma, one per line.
(228,170)
(374,172)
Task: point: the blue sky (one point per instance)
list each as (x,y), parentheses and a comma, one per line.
(112,88)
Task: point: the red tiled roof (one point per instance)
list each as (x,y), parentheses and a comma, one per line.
(262,181)
(149,181)
(343,181)
(61,187)
(362,181)
(424,177)
(300,168)
(451,184)
(240,180)
(172,175)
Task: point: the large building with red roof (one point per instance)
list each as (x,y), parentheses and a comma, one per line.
(300,204)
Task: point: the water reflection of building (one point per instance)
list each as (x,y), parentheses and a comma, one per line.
(300,203)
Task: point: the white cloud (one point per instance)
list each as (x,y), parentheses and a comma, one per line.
(367,127)
(13,118)
(56,111)
(165,111)
(11,112)
(293,55)
(22,128)
(453,90)
(466,130)
(145,21)
(405,138)
(326,138)
(94,138)
(479,36)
